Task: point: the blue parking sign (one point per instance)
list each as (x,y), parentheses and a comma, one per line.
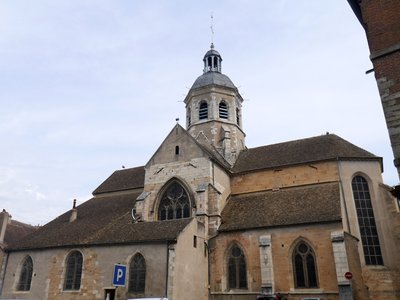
(119,275)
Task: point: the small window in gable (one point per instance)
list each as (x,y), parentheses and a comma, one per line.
(223,110)
(25,277)
(203,110)
(73,272)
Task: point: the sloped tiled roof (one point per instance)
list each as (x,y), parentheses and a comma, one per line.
(325,147)
(122,180)
(15,230)
(289,206)
(100,221)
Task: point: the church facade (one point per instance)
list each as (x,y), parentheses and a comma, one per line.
(209,218)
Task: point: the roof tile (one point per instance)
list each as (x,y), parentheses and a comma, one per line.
(289,206)
(325,147)
(122,180)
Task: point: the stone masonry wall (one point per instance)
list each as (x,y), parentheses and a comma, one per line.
(98,263)
(284,177)
(282,243)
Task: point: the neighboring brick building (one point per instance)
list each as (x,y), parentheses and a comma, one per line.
(209,218)
(380,20)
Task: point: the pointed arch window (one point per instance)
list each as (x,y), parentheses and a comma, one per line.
(25,277)
(237,273)
(203,110)
(137,274)
(304,266)
(175,203)
(238,116)
(73,272)
(366,221)
(223,110)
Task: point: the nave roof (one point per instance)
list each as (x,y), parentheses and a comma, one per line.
(104,220)
(309,204)
(308,150)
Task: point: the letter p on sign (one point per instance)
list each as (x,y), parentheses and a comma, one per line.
(119,275)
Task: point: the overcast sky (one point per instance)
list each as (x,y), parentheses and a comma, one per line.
(89,86)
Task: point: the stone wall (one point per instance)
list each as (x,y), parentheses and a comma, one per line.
(189,276)
(284,177)
(98,266)
(282,243)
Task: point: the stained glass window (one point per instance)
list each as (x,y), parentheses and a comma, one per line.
(174,203)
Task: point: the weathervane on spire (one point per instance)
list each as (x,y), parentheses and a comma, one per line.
(212,30)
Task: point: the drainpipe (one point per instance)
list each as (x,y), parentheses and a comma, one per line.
(167,273)
(4,273)
(209,270)
(344,197)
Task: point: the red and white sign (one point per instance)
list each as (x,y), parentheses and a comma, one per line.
(348,275)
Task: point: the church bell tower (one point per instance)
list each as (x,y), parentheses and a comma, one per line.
(214,109)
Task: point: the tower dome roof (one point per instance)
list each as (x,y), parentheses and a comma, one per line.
(213,78)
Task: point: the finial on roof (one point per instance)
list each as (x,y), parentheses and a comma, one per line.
(212,30)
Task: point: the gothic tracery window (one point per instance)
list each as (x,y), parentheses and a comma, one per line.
(25,278)
(304,266)
(174,203)
(366,221)
(73,272)
(237,273)
(137,274)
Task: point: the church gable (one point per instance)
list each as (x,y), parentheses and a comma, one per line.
(178,146)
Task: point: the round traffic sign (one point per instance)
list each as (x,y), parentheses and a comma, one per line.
(348,275)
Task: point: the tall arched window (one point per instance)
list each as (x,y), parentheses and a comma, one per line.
(175,203)
(73,272)
(137,274)
(223,110)
(237,273)
(203,110)
(304,266)
(366,221)
(25,277)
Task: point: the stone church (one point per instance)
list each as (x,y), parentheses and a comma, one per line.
(208,218)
